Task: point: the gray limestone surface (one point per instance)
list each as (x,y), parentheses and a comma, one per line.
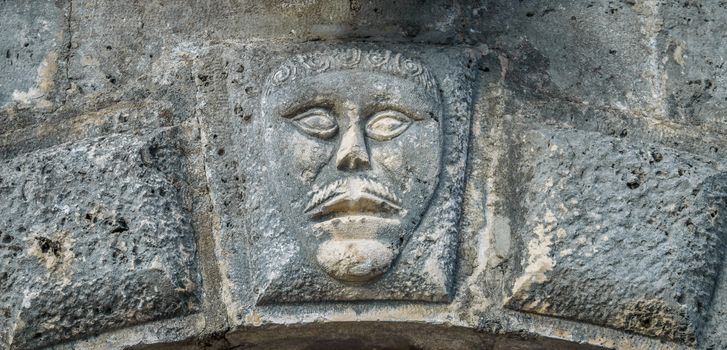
(32,49)
(115,247)
(626,236)
(325,174)
(266,194)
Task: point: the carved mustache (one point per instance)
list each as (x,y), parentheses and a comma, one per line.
(353,193)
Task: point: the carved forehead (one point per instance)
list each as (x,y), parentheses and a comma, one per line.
(382,61)
(370,92)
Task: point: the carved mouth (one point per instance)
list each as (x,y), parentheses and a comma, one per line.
(348,204)
(353,196)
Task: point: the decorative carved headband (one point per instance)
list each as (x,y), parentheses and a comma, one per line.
(384,61)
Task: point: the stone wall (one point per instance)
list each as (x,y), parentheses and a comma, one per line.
(357,174)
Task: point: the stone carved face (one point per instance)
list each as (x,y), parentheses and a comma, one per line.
(354,145)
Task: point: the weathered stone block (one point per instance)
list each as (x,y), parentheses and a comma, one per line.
(630,236)
(330,190)
(593,52)
(31,50)
(93,236)
(694,68)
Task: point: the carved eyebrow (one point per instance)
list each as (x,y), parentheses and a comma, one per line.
(414,113)
(410,103)
(300,104)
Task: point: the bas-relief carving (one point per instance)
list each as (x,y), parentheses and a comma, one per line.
(352,186)
(359,134)
(358,193)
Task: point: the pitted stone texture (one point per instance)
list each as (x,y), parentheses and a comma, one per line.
(694,66)
(30,51)
(262,239)
(593,52)
(93,237)
(624,235)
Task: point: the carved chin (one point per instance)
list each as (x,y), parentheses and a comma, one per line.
(354,260)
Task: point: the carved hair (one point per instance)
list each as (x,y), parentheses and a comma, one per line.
(384,61)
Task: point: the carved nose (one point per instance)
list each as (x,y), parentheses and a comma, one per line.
(352,153)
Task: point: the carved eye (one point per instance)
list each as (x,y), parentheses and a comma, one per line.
(387,125)
(316,122)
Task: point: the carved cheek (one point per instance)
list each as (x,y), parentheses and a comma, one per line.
(423,152)
(389,155)
(412,158)
(307,156)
